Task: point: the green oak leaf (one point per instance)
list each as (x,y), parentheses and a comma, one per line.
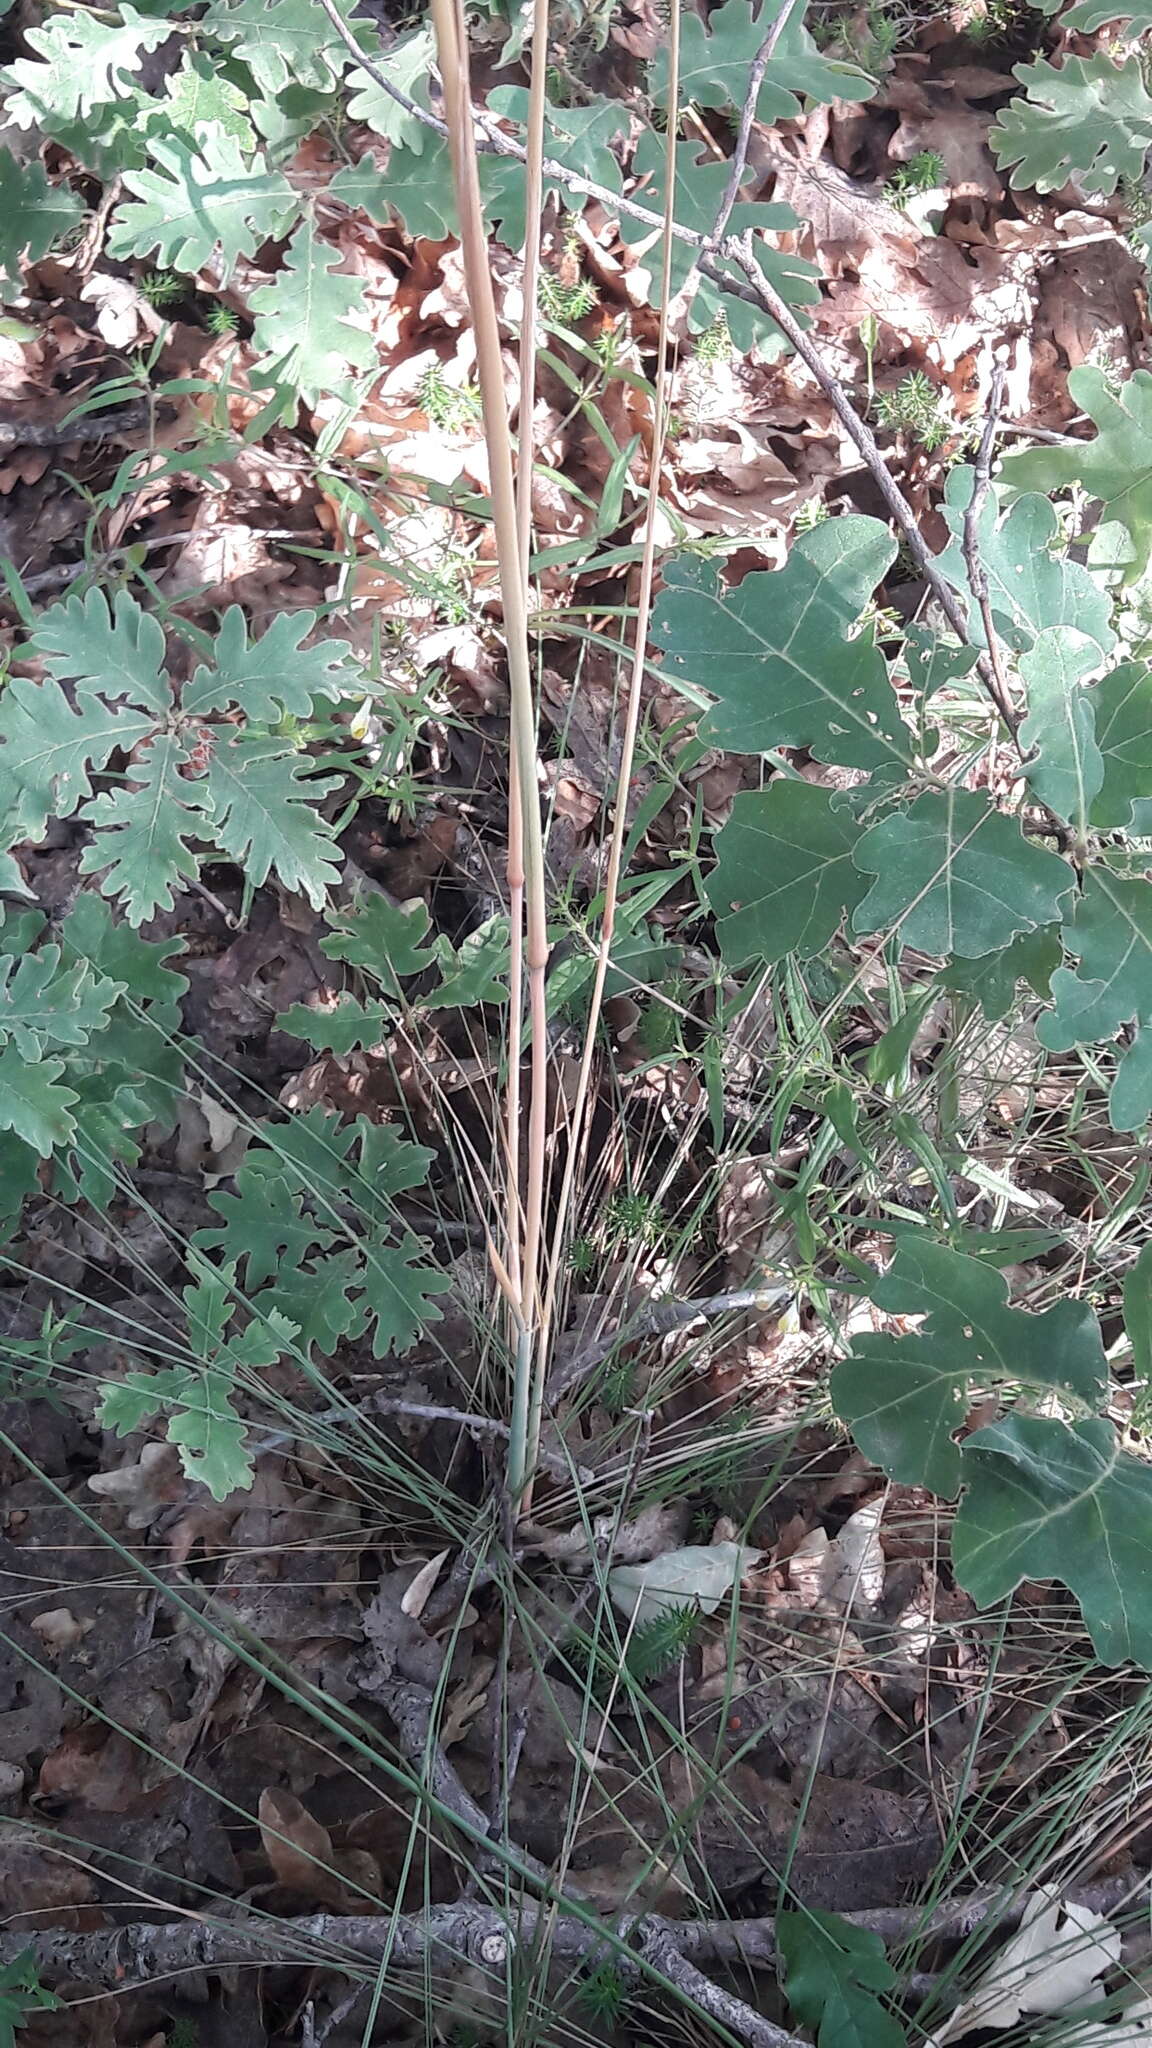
(399,1289)
(318,1298)
(117,649)
(91,933)
(282,42)
(204,1424)
(1115,466)
(198,95)
(284,119)
(208,1431)
(32,1102)
(43,1004)
(20,1169)
(143,849)
(1110,933)
(50,750)
(777,653)
(905,1398)
(383,938)
(991,979)
(33,214)
(1088,118)
(579,137)
(417,186)
(120,143)
(83,62)
(1063,762)
(715,62)
(957,876)
(338,1027)
(199,200)
(1090,14)
(1057,1500)
(313,1151)
(1032,585)
(407,64)
(934,663)
(266,815)
(303,331)
(268,676)
(1123,702)
(263,1224)
(784,876)
(700,186)
(473,972)
(832,1975)
(1130,1096)
(389,1165)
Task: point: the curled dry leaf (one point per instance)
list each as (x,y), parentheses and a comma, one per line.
(1133,2029)
(416,1598)
(1053,1962)
(699,1576)
(301,1854)
(59,1629)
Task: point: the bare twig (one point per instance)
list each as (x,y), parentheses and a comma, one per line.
(760,292)
(660,1948)
(994,677)
(144,1951)
(96,426)
(739,160)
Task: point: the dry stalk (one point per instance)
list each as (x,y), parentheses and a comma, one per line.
(452,52)
(530,293)
(579,1119)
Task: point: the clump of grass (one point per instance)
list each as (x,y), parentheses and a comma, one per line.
(922,173)
(915,408)
(451,407)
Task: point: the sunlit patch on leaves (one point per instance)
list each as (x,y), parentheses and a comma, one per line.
(83,61)
(204,198)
